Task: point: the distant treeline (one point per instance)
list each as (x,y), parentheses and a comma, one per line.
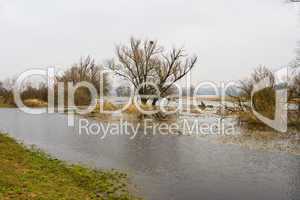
(87,70)
(146,61)
(84,70)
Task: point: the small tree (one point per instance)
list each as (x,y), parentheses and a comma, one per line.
(188,91)
(2,89)
(123,91)
(264,100)
(294,92)
(144,62)
(7,94)
(85,70)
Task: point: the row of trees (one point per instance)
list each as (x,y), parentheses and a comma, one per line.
(85,70)
(140,63)
(144,62)
(6,91)
(264,101)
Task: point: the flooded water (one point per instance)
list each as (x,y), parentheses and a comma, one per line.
(165,167)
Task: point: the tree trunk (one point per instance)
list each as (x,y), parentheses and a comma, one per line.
(144,100)
(154,101)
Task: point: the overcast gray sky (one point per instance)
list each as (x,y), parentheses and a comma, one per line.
(231,37)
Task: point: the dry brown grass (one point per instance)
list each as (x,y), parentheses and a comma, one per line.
(247,117)
(132,109)
(295,100)
(211,98)
(107,106)
(35,103)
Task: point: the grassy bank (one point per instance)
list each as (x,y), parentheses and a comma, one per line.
(32,103)
(31,174)
(3,105)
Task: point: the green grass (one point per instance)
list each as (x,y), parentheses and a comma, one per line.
(31,174)
(6,106)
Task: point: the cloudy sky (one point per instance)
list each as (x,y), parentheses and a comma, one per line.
(231,37)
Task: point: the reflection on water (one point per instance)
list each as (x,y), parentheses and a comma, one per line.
(166,166)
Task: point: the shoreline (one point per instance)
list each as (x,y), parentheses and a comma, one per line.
(255,139)
(32,174)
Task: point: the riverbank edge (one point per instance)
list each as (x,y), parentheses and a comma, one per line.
(7,106)
(28,173)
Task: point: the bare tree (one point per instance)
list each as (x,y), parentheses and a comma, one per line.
(85,70)
(8,97)
(40,92)
(143,62)
(298,56)
(294,92)
(293,1)
(173,67)
(1,88)
(295,64)
(188,90)
(123,91)
(263,100)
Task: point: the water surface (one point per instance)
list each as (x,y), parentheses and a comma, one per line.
(165,167)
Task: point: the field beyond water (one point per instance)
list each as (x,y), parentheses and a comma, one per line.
(31,174)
